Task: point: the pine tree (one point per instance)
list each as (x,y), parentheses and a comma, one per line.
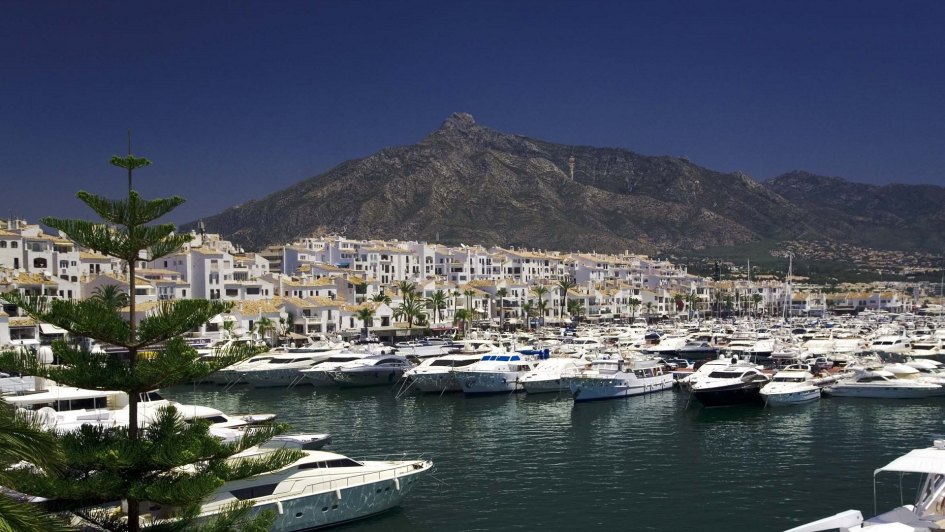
(166,463)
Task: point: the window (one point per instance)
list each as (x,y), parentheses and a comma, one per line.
(3,243)
(39,262)
(341,462)
(14,244)
(232,292)
(254,492)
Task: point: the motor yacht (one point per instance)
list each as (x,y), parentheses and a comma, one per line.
(319,374)
(374,370)
(792,385)
(496,373)
(926,513)
(437,375)
(731,385)
(614,378)
(282,369)
(883,384)
(319,489)
(548,375)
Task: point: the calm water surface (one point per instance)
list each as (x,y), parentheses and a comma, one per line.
(514,462)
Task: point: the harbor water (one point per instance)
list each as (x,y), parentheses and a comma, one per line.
(518,462)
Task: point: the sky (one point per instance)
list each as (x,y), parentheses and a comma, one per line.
(233,100)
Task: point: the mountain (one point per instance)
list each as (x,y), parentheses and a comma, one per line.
(467,183)
(904,217)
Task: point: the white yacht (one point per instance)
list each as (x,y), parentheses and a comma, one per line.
(613,378)
(374,370)
(792,385)
(282,369)
(496,373)
(883,384)
(890,343)
(437,375)
(319,489)
(318,374)
(547,375)
(233,374)
(731,385)
(928,511)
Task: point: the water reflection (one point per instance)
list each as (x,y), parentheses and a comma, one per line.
(513,462)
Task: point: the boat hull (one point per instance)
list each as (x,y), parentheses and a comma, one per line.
(533,386)
(729,395)
(485,383)
(585,389)
(444,382)
(885,392)
(358,379)
(789,398)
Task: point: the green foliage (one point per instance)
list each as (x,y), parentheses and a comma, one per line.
(23,439)
(437,302)
(163,460)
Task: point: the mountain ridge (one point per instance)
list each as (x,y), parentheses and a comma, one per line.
(468,183)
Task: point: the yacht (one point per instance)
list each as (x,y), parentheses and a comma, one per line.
(613,378)
(883,384)
(282,369)
(792,385)
(437,375)
(890,343)
(318,374)
(496,373)
(547,375)
(422,348)
(928,511)
(374,370)
(319,489)
(731,385)
(233,374)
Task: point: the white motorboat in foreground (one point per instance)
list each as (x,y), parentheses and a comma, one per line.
(318,490)
(927,512)
(615,379)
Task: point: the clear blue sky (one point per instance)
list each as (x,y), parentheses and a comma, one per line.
(233,100)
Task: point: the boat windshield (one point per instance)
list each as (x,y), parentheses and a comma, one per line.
(789,379)
(725,375)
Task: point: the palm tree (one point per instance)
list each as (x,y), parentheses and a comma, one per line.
(634,305)
(366,315)
(540,292)
(381,297)
(110,295)
(265,327)
(575,307)
(564,285)
(527,310)
(23,439)
(649,309)
(437,301)
(500,295)
(286,324)
(410,309)
(406,288)
(692,300)
(755,299)
(462,317)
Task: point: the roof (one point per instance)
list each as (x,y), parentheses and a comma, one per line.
(88,255)
(930,460)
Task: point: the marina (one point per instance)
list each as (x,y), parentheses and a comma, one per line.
(526,462)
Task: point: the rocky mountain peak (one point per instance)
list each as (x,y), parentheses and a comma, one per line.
(459,121)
